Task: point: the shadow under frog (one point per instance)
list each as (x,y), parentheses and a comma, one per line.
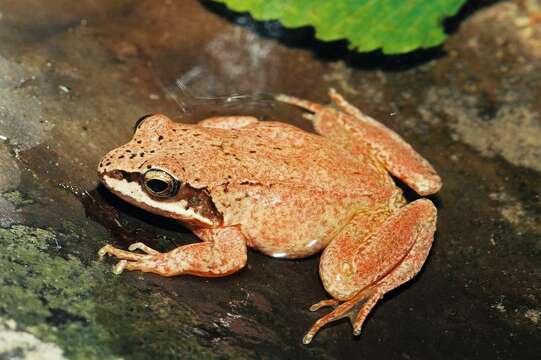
(238,182)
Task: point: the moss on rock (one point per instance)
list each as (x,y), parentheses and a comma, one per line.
(50,295)
(84,309)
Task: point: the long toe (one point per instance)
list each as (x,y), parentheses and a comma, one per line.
(120,254)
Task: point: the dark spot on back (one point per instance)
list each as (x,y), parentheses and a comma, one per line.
(121,157)
(160,138)
(142,154)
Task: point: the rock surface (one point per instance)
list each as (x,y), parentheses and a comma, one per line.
(74,77)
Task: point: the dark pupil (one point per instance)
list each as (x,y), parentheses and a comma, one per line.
(157,186)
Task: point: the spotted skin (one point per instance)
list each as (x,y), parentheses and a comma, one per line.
(286,193)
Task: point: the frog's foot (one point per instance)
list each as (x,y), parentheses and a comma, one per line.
(324,303)
(367,269)
(164,264)
(356,309)
(129,260)
(223,253)
(127,255)
(143,248)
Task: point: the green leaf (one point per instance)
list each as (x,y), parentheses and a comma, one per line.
(395,26)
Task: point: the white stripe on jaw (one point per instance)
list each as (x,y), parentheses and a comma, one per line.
(133,191)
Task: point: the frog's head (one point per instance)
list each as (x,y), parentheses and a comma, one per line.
(145,173)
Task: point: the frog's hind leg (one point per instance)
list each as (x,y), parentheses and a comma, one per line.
(360,134)
(360,272)
(303,104)
(223,252)
(398,157)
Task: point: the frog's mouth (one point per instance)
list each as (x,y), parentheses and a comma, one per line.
(189,205)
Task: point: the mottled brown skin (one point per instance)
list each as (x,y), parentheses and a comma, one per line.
(286,193)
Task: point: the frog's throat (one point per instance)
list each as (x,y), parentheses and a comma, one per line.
(131,192)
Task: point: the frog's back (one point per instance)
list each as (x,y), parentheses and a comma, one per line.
(271,177)
(299,181)
(274,152)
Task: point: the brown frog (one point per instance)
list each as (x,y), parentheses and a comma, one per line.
(238,182)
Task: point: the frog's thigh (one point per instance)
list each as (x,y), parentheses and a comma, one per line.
(336,263)
(228,122)
(350,264)
(361,272)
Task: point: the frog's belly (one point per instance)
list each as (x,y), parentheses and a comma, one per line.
(281,238)
(289,249)
(291,222)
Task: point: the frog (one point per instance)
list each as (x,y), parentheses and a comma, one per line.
(238,182)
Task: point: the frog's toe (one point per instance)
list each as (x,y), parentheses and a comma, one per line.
(119,267)
(324,303)
(118,253)
(343,310)
(146,265)
(356,309)
(365,309)
(157,264)
(143,248)
(104,250)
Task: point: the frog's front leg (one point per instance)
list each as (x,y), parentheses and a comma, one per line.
(358,270)
(223,252)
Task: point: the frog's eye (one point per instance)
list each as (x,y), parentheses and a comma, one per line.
(159,183)
(140,121)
